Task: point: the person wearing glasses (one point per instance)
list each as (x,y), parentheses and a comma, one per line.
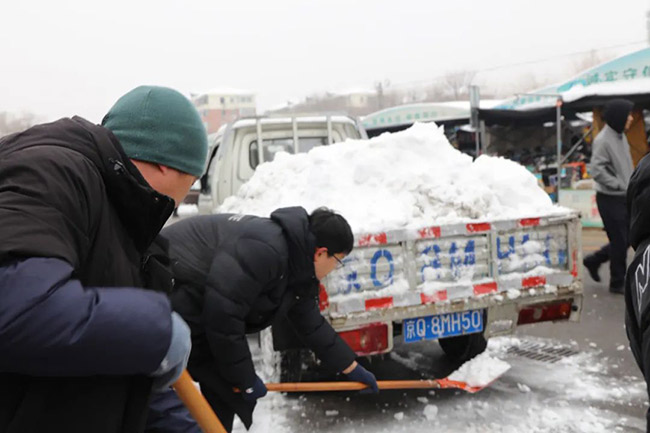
(238,274)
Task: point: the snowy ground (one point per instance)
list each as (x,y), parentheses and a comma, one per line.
(578,392)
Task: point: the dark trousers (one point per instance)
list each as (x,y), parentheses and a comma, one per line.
(222,410)
(613,212)
(168,414)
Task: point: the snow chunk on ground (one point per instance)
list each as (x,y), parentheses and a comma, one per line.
(399,416)
(431,412)
(403,180)
(480,371)
(523,388)
(331,413)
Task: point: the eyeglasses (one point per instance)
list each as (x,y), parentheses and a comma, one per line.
(341,264)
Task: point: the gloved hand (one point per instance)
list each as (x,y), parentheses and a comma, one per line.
(360,374)
(252,393)
(177,355)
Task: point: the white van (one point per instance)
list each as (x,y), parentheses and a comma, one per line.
(239,147)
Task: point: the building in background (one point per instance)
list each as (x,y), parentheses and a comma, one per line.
(220,106)
(356,102)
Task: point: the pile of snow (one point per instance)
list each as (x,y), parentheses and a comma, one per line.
(480,371)
(408,179)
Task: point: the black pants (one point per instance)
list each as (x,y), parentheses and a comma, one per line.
(223,411)
(613,211)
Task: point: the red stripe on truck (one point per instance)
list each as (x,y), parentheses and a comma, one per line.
(440,295)
(323,299)
(377,239)
(482,289)
(574,269)
(478,227)
(379,303)
(529,222)
(429,232)
(533,282)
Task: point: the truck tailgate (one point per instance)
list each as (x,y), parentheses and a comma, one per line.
(391,276)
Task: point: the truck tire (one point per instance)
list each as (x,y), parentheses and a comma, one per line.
(291,365)
(464,347)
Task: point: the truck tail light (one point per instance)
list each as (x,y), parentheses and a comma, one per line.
(545,312)
(369,340)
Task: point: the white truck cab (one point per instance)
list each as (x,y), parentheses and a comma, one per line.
(239,147)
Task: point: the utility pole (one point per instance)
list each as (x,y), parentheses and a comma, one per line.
(379,88)
(647,25)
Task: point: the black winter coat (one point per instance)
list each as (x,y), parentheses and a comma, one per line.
(237,274)
(637,293)
(77,335)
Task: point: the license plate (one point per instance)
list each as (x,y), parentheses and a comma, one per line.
(443,325)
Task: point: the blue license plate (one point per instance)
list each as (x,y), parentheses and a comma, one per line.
(443,325)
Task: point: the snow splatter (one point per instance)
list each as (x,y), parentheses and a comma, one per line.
(480,371)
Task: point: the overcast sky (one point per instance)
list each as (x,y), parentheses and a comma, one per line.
(65,57)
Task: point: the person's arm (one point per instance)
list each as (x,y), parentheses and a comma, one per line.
(235,280)
(50,325)
(319,336)
(602,169)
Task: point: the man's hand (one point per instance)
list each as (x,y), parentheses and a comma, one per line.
(175,359)
(252,393)
(357,373)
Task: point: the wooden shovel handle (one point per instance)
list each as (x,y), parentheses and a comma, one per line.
(356,386)
(197,404)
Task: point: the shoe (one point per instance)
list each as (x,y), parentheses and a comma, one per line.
(619,290)
(593,269)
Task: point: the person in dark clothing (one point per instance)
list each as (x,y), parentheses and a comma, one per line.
(637,295)
(611,168)
(238,274)
(82,343)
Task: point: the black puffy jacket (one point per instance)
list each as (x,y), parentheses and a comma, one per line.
(637,279)
(237,274)
(77,335)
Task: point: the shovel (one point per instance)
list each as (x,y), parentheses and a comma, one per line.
(382,384)
(197,404)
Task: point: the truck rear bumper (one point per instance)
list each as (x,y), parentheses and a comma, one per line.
(502,308)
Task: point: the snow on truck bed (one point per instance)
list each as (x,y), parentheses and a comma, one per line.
(407,179)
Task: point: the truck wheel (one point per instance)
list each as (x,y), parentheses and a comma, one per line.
(464,347)
(291,362)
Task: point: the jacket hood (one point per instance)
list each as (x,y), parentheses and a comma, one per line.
(615,113)
(294,222)
(638,203)
(141,209)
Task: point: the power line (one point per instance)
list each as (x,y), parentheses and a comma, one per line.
(529,62)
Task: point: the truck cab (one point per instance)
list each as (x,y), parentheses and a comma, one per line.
(239,147)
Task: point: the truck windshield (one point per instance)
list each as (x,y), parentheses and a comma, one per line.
(275,145)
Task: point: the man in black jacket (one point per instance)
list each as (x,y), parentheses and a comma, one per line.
(81,342)
(238,274)
(637,295)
